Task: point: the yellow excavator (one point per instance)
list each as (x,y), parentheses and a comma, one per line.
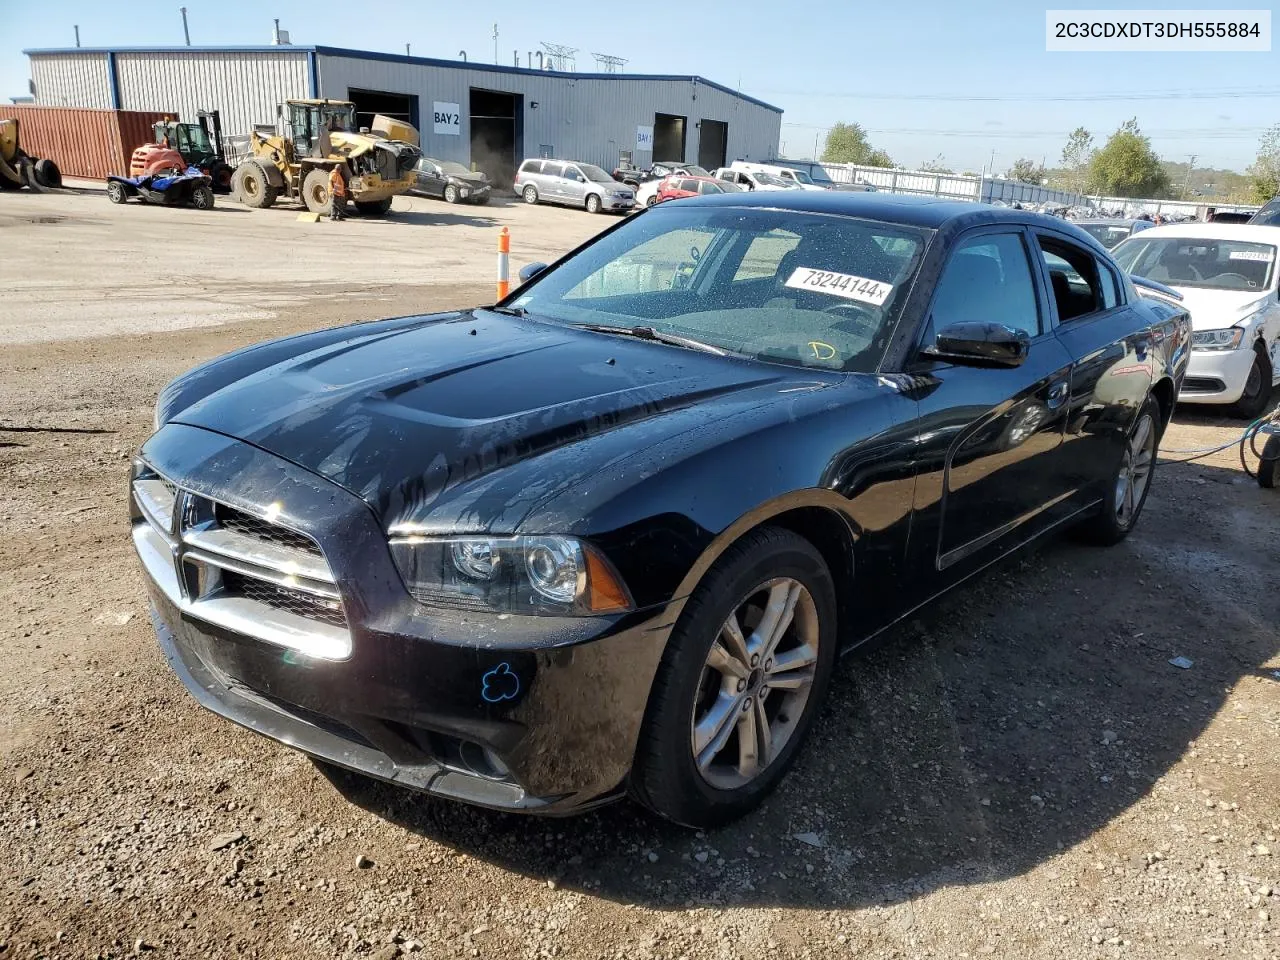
(18,169)
(319,135)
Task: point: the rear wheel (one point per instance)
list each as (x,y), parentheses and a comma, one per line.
(740,681)
(252,186)
(1257,388)
(116,192)
(315,190)
(374,208)
(651,200)
(530,194)
(1127,493)
(593,203)
(202,196)
(47,173)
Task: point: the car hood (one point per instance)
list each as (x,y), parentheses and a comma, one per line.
(470,179)
(400,417)
(1215,309)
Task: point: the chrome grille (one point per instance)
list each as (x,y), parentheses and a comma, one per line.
(237,570)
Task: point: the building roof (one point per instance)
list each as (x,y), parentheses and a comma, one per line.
(404,58)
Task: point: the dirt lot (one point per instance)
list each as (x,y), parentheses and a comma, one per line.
(1018,772)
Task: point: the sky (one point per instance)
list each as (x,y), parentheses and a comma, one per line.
(969,85)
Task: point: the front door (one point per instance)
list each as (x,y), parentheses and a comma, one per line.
(989,438)
(574,185)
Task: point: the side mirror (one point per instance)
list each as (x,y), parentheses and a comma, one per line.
(979,344)
(531,270)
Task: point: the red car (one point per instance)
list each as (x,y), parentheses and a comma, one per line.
(673,188)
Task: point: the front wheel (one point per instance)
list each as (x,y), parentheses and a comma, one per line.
(202,196)
(651,200)
(451,194)
(1269,468)
(593,203)
(315,190)
(740,682)
(530,194)
(1127,492)
(1257,388)
(116,192)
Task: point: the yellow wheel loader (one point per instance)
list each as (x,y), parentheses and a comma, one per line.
(319,135)
(18,169)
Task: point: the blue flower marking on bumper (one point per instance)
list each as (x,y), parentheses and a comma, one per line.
(500,683)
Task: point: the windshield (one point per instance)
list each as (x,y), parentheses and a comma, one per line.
(802,177)
(1106,234)
(1194,262)
(770,180)
(696,171)
(339,118)
(804,289)
(453,168)
(818,175)
(1269,215)
(592,172)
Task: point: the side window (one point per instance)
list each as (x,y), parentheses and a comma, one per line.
(532,166)
(1073,278)
(765,254)
(1110,289)
(704,187)
(689,186)
(726,175)
(552,169)
(988,280)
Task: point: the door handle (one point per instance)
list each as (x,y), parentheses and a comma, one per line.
(1058,394)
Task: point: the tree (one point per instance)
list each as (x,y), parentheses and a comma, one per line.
(1075,157)
(847,143)
(1126,166)
(1026,171)
(936,165)
(1264,175)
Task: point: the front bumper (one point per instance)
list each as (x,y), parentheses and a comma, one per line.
(617,203)
(1217,376)
(371,187)
(408,703)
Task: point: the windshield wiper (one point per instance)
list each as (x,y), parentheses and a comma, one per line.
(658,336)
(510,311)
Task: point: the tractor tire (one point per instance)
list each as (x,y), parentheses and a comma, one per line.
(116,192)
(374,208)
(221,174)
(7,184)
(252,186)
(315,190)
(202,197)
(47,173)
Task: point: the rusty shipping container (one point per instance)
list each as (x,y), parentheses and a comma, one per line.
(83,142)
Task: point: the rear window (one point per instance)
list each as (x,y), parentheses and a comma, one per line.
(1196,262)
(1106,234)
(531,166)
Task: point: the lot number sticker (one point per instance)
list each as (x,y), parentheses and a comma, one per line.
(448,118)
(1249,255)
(841,285)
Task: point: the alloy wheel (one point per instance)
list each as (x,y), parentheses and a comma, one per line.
(755,683)
(1135,470)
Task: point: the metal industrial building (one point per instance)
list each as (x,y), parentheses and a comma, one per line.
(466,111)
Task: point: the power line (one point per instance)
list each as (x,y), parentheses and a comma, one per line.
(1226,93)
(1205,133)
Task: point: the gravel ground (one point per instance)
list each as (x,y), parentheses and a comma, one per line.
(1016,772)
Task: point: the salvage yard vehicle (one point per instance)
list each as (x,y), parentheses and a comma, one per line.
(572,184)
(818,175)
(1227,276)
(753,179)
(1110,231)
(180,145)
(18,168)
(320,135)
(450,181)
(190,188)
(417,549)
(676,188)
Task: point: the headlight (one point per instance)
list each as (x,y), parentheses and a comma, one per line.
(1227,339)
(547,575)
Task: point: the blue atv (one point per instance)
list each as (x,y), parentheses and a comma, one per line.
(192,188)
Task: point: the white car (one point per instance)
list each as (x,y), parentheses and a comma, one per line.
(1226,274)
(753,179)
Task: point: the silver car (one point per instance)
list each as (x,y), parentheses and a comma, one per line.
(573,184)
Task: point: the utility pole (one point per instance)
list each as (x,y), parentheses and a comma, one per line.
(1191,165)
(495,44)
(406,50)
(77,34)
(816,134)
(185,32)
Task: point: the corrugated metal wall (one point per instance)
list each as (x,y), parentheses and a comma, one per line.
(72,80)
(581,118)
(83,143)
(244,87)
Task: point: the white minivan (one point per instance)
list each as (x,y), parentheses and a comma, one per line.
(754,179)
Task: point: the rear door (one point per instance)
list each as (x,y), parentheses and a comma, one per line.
(551,181)
(1111,343)
(989,438)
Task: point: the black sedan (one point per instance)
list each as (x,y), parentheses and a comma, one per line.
(608,536)
(451,181)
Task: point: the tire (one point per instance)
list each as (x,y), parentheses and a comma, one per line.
(450,194)
(530,194)
(202,197)
(252,186)
(667,776)
(116,192)
(374,208)
(315,190)
(1120,512)
(651,200)
(220,174)
(593,203)
(1269,468)
(47,173)
(1257,391)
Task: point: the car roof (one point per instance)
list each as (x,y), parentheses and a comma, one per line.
(928,212)
(1109,221)
(1244,232)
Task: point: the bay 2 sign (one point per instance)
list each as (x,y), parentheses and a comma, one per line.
(448,117)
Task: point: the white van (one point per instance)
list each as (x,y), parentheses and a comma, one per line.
(805,174)
(754,179)
(792,177)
